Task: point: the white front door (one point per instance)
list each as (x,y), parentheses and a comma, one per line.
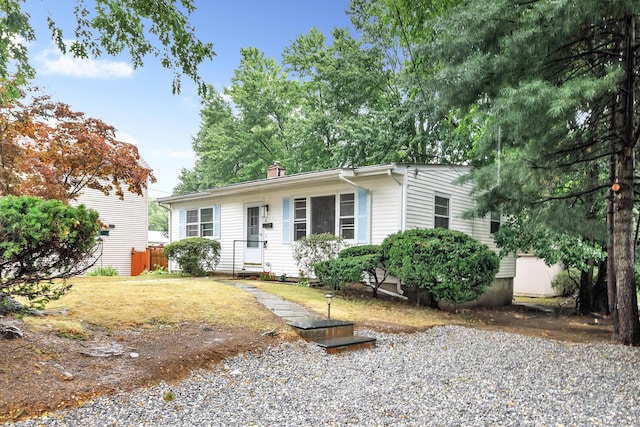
(253,244)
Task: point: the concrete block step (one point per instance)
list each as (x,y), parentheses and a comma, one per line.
(314,329)
(340,344)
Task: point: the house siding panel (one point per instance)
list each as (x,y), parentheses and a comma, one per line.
(130,220)
(422,188)
(482,232)
(429,181)
(386,207)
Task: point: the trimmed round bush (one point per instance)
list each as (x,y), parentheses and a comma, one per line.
(337,272)
(448,264)
(196,256)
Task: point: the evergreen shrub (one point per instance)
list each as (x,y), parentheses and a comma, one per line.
(196,256)
(448,264)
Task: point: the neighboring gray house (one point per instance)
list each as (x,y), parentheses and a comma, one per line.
(128,223)
(256,222)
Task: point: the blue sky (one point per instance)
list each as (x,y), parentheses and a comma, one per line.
(139,103)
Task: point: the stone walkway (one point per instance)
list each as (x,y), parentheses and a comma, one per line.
(287,310)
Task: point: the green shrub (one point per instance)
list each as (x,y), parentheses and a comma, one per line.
(354,251)
(338,271)
(267,276)
(310,250)
(448,264)
(40,241)
(158,271)
(567,282)
(371,262)
(196,256)
(103,271)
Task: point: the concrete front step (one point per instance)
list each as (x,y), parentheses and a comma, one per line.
(333,336)
(340,344)
(314,329)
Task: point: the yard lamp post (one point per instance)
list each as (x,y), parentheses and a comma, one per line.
(328,297)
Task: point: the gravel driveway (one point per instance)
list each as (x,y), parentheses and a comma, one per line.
(447,376)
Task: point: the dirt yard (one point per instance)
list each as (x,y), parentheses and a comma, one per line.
(42,372)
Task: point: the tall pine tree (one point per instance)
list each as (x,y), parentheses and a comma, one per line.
(556,83)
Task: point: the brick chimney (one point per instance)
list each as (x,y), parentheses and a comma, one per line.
(275,170)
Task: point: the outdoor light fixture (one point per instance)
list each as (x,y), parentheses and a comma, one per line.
(328,297)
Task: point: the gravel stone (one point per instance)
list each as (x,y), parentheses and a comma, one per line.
(449,375)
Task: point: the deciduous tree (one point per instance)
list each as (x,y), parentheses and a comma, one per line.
(49,150)
(139,28)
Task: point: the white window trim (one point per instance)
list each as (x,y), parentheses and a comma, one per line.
(435,215)
(307,219)
(198,223)
(353,215)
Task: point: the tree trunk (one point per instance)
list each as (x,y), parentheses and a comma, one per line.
(599,303)
(624,253)
(611,207)
(585,294)
(623,221)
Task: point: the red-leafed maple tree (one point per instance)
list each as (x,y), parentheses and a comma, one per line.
(50,151)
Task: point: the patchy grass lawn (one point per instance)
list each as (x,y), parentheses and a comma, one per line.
(356,305)
(133,302)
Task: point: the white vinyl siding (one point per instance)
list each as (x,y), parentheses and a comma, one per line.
(128,221)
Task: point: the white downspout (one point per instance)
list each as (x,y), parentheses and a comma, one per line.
(402,199)
(393,177)
(399,292)
(353,184)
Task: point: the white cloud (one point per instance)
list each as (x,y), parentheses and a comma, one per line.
(185,154)
(54,62)
(126,137)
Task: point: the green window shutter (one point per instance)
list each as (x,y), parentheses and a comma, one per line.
(216,222)
(286,220)
(182,226)
(363,216)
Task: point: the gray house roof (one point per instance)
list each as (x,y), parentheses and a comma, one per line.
(337,174)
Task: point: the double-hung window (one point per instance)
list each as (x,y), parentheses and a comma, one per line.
(347,216)
(495,222)
(192,223)
(206,222)
(441,209)
(324,214)
(299,218)
(200,223)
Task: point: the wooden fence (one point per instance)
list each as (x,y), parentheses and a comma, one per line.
(150,259)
